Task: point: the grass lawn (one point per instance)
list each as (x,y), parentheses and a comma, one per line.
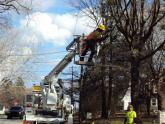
(117,121)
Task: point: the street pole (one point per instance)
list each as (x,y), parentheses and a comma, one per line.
(80,95)
(72,99)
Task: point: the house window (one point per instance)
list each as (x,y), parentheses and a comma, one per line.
(155,89)
(153,102)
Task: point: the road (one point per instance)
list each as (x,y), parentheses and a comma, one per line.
(10,121)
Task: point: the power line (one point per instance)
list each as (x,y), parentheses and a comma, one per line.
(45,62)
(48,53)
(74,30)
(22,71)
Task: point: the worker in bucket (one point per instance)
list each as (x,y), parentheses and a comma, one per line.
(91,40)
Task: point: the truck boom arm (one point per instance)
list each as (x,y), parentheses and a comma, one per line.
(61,65)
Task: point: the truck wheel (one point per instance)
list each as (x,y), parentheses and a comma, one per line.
(21,117)
(9,117)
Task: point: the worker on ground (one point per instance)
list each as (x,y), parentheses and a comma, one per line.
(91,40)
(130,115)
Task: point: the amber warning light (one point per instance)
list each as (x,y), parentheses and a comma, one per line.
(36,88)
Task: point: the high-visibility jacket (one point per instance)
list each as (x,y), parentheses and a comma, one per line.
(130,116)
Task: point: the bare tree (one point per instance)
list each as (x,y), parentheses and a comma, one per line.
(12,64)
(89,8)
(136,21)
(11,93)
(8,7)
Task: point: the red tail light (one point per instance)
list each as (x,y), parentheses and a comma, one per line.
(29,105)
(27,122)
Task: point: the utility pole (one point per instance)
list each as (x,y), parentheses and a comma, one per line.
(72,99)
(80,94)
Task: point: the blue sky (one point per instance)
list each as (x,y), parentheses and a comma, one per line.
(49,29)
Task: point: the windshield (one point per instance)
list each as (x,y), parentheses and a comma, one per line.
(29,98)
(16,108)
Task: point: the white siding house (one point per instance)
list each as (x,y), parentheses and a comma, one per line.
(127,98)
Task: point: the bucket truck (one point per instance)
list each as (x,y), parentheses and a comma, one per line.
(48,104)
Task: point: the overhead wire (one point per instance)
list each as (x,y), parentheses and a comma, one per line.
(35,62)
(23,71)
(38,54)
(75,26)
(74,29)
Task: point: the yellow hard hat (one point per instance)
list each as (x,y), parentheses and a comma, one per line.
(102,27)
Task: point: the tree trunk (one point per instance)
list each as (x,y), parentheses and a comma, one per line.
(148,99)
(104,106)
(135,83)
(161,101)
(109,101)
(104,113)
(113,105)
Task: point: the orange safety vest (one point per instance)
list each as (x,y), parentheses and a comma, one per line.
(93,36)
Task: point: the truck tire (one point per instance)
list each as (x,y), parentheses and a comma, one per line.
(9,117)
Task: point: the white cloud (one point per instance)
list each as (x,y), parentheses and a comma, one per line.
(54,28)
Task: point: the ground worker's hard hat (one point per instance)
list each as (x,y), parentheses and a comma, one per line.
(102,27)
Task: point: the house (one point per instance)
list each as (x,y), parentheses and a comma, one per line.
(127,99)
(153,98)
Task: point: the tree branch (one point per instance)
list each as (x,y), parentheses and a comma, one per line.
(153,52)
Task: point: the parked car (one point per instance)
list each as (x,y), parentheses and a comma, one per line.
(15,111)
